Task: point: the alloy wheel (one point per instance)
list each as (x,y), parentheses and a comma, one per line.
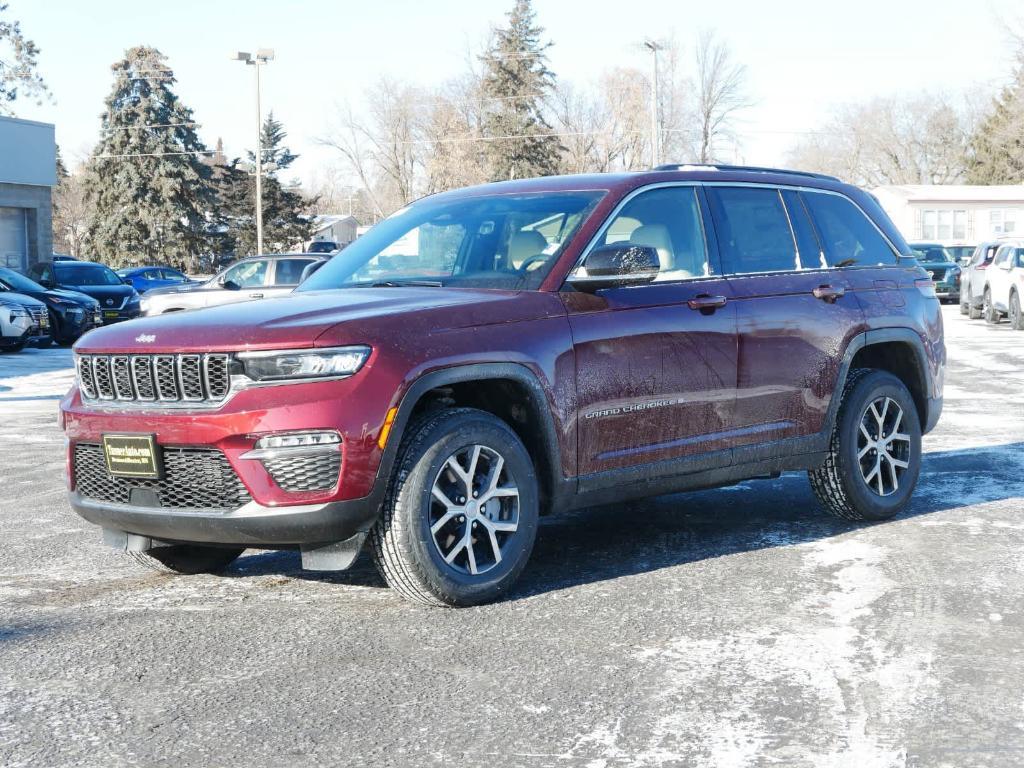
(474,509)
(882,450)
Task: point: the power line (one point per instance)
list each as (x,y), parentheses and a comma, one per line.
(155,154)
(133,127)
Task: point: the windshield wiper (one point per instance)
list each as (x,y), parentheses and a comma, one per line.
(407,283)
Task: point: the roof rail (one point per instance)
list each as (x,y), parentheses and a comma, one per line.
(747,168)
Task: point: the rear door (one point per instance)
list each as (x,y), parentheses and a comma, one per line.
(655,363)
(793,316)
(998,277)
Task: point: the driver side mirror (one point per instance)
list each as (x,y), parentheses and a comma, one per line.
(231,285)
(617,266)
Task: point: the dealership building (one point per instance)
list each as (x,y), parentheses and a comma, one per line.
(27,176)
(954,214)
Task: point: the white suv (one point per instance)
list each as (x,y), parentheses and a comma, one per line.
(1004,285)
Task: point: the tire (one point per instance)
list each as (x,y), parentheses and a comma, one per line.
(965,305)
(845,485)
(187,559)
(410,557)
(1016,314)
(990,313)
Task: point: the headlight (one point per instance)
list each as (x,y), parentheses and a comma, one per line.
(75,313)
(144,306)
(278,365)
(16,311)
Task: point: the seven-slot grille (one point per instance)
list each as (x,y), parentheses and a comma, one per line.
(155,378)
(41,316)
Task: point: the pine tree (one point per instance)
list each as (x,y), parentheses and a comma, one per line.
(516,82)
(18,69)
(284,225)
(998,144)
(148,189)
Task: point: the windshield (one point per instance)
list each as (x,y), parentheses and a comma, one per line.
(16,282)
(501,241)
(931,253)
(85,274)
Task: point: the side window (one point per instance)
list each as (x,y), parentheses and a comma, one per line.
(1002,256)
(151,274)
(849,237)
(248,274)
(1019,260)
(811,254)
(753,230)
(289,271)
(668,220)
(170,274)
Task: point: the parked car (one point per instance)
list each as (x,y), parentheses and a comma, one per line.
(23,321)
(143,279)
(255,277)
(323,246)
(117,301)
(492,354)
(961,254)
(70,313)
(972,279)
(1004,285)
(942,267)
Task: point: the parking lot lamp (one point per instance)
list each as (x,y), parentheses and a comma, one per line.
(261,57)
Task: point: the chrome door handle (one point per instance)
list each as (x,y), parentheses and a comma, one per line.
(255,295)
(829,293)
(706,303)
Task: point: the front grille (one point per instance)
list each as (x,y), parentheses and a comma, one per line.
(937,274)
(41,317)
(193,479)
(305,473)
(148,378)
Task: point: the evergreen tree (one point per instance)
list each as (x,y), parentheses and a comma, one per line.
(998,144)
(516,82)
(284,225)
(148,189)
(18,73)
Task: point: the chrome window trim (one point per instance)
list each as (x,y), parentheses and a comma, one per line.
(591,244)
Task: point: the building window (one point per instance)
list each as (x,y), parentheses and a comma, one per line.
(1002,221)
(944,224)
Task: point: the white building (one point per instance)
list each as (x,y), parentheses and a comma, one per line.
(28,171)
(340,229)
(954,214)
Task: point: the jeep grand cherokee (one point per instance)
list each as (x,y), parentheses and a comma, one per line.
(489,355)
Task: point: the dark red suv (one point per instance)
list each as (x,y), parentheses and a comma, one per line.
(489,355)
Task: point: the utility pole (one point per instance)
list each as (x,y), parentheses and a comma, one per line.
(654,47)
(262,57)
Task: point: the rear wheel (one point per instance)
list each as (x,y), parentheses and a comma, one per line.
(990,312)
(965,305)
(460,516)
(187,559)
(1016,315)
(874,456)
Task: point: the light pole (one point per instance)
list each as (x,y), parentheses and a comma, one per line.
(262,56)
(654,47)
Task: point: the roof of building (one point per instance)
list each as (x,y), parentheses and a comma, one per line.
(970,193)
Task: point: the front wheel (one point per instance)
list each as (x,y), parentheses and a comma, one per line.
(874,456)
(187,559)
(1016,315)
(460,516)
(965,305)
(988,310)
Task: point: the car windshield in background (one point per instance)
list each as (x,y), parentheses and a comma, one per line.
(85,274)
(931,255)
(501,241)
(17,282)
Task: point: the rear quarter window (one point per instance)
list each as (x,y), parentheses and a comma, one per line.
(848,237)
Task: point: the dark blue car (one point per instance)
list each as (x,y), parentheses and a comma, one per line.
(144,278)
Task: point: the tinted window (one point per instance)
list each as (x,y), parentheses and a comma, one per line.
(16,282)
(931,253)
(849,237)
(667,220)
(171,274)
(1002,256)
(289,271)
(811,255)
(753,230)
(248,274)
(70,273)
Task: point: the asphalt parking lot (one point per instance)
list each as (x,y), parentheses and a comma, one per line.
(725,628)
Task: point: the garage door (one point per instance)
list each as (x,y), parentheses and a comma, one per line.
(13,238)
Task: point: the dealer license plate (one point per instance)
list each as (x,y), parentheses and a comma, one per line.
(132,456)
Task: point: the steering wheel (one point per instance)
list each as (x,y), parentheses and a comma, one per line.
(536,258)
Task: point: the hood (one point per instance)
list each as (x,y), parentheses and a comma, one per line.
(102,292)
(11,297)
(304,319)
(73,296)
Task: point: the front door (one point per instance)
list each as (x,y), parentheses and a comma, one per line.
(248,281)
(656,363)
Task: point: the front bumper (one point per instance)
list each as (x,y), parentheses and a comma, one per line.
(947,290)
(253,525)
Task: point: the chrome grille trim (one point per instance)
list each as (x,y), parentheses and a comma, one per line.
(182,380)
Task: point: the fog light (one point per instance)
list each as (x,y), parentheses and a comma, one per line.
(299,440)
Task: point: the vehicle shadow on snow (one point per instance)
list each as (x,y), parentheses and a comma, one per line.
(614,541)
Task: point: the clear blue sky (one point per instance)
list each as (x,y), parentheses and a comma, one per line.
(802,55)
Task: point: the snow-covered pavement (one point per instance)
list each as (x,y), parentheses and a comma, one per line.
(737,627)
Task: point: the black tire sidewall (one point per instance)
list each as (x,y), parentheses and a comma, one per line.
(1016,319)
(448,438)
(868,503)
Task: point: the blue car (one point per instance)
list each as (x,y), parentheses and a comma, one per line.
(144,278)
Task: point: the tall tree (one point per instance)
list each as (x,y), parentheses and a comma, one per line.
(70,214)
(720,94)
(19,75)
(148,189)
(998,145)
(285,224)
(516,84)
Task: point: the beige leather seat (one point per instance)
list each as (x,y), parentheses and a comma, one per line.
(656,236)
(524,244)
